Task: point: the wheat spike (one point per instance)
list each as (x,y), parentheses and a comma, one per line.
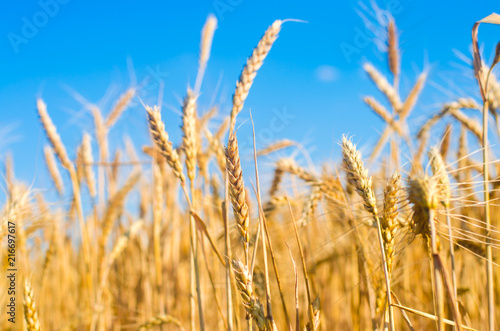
(115,206)
(471,124)
(52,135)
(53,170)
(357,176)
(251,302)
(384,86)
(439,171)
(249,72)
(119,107)
(388,222)
(159,320)
(160,137)
(383,113)
(278,176)
(237,188)
(276,146)
(217,149)
(30,312)
(392,48)
(422,196)
(413,96)
(289,165)
(189,140)
(207,35)
(88,159)
(311,204)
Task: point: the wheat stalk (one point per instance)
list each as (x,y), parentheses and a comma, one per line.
(357,176)
(444,193)
(423,194)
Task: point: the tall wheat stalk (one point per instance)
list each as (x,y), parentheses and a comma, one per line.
(358,177)
(483,88)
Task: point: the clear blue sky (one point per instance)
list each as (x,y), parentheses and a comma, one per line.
(84,46)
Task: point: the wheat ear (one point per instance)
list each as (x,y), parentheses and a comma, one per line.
(160,320)
(383,113)
(30,312)
(189,140)
(389,222)
(120,106)
(88,159)
(52,135)
(423,194)
(207,35)
(291,167)
(276,146)
(384,86)
(249,72)
(160,136)
(251,302)
(392,49)
(237,188)
(444,192)
(53,170)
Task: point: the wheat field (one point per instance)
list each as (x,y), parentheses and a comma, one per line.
(173,235)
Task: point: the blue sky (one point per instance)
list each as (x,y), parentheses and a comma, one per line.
(89,47)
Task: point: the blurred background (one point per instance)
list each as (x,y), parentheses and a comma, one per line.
(73,53)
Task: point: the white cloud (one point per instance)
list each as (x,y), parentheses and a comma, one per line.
(326,73)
